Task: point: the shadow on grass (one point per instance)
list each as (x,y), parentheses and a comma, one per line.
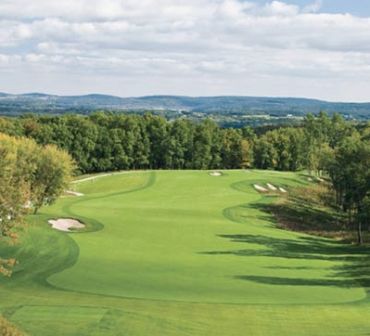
(299,282)
(304,248)
(354,271)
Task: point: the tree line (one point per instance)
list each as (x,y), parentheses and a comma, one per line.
(108,142)
(30,176)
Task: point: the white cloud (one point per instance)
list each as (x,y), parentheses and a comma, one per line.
(165,46)
(313,7)
(278,8)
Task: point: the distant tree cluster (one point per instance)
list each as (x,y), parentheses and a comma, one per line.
(30,176)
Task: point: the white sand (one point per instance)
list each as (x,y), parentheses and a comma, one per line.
(215,173)
(65,224)
(282,190)
(271,187)
(73,193)
(259,188)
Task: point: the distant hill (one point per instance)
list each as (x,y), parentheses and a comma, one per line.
(223,105)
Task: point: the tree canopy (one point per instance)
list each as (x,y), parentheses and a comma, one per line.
(30,176)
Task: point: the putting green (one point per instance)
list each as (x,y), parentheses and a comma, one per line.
(182,253)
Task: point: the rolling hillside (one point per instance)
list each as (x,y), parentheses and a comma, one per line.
(223,105)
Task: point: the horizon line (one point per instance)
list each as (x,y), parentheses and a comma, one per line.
(183,96)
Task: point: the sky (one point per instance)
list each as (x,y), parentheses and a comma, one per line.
(354,7)
(291,48)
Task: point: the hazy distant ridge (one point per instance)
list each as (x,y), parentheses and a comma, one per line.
(44,103)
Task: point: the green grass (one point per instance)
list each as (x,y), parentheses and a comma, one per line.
(182,253)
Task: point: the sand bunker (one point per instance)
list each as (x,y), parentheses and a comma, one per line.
(271,187)
(215,173)
(73,193)
(65,224)
(259,188)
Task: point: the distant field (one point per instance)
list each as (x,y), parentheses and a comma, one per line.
(182,253)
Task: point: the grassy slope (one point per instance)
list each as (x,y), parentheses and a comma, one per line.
(182,253)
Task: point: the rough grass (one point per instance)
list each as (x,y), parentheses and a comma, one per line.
(8,329)
(183,253)
(312,210)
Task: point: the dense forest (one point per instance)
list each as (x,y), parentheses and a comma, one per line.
(323,145)
(108,142)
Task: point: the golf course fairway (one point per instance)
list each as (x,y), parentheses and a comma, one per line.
(182,253)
